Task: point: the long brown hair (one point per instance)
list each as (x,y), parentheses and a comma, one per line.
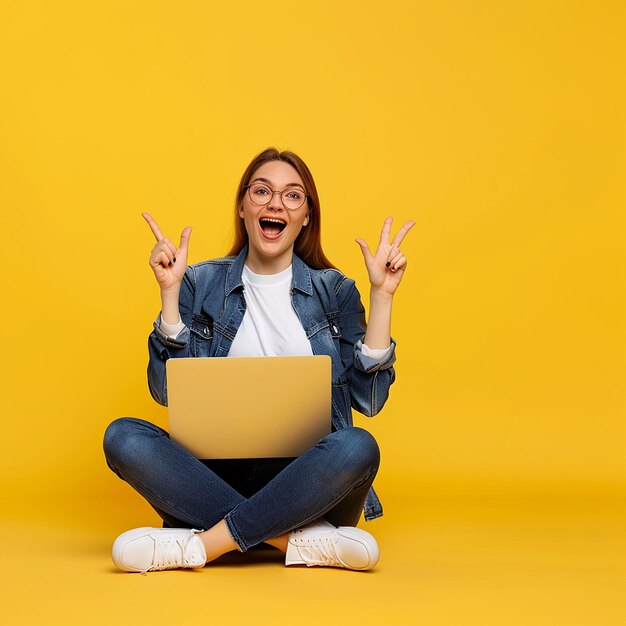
(307,245)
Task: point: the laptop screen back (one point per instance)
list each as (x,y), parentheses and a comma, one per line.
(249,407)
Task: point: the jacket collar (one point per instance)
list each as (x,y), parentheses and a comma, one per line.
(301,273)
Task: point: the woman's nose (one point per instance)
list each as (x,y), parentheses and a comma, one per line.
(276,201)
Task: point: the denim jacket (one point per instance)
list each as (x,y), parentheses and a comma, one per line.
(328,304)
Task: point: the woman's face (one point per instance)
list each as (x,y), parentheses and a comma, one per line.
(269,241)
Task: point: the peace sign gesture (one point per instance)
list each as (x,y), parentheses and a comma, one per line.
(386,267)
(166,260)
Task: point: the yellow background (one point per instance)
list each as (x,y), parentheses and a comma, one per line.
(497,126)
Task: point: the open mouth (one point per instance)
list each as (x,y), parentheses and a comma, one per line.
(271,227)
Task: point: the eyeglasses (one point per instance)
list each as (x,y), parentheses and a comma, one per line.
(261,194)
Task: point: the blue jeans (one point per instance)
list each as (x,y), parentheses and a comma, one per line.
(258,498)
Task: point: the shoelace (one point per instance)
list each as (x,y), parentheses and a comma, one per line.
(170,552)
(322,552)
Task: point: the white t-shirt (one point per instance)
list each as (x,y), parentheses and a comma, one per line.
(270,325)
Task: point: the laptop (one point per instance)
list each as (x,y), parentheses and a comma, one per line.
(249,407)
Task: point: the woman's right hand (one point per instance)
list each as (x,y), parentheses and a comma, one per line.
(166,260)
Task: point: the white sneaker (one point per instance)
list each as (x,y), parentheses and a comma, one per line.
(151,549)
(321,543)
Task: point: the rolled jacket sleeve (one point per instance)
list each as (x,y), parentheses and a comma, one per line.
(178,341)
(368,360)
(172,330)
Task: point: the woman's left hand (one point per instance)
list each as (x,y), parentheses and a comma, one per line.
(386,267)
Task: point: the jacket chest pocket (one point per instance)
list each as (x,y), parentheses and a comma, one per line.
(334,328)
(333,325)
(201,332)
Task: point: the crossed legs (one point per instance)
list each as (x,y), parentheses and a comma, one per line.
(330,479)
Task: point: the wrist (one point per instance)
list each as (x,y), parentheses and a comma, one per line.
(382,296)
(171,291)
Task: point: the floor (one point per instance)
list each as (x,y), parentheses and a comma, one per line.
(443,562)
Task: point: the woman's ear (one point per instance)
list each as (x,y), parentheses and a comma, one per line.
(306,220)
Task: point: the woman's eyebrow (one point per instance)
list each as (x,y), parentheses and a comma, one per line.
(287,185)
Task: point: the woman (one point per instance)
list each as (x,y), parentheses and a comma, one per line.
(274,294)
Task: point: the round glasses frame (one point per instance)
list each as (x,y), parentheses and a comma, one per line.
(271,195)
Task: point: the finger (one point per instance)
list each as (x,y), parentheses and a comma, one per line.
(184,240)
(402,233)
(384,233)
(394,260)
(156,231)
(364,248)
(399,266)
(164,248)
(393,253)
(163,260)
(169,246)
